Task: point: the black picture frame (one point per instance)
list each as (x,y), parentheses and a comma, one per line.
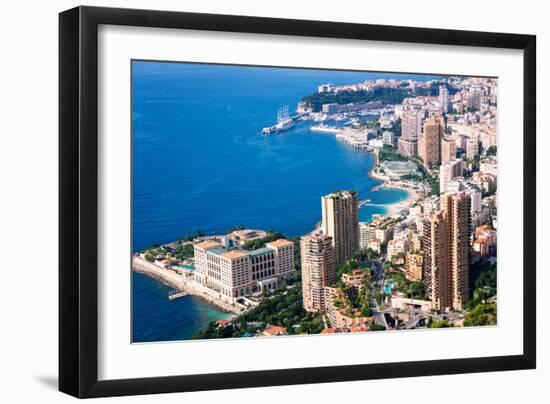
(78,200)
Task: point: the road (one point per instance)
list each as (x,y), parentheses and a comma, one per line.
(378,284)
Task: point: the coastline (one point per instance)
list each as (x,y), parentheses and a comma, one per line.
(180,283)
(394,208)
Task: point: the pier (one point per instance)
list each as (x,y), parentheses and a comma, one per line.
(367,202)
(176,294)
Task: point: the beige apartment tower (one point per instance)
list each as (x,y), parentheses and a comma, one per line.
(436,277)
(448,150)
(456,208)
(341,223)
(411,127)
(430,141)
(446,246)
(318,269)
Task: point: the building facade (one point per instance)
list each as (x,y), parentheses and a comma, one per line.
(474,99)
(446,250)
(411,127)
(413,266)
(430,141)
(472,146)
(411,123)
(407,148)
(449,171)
(457,211)
(340,222)
(444,102)
(230,274)
(435,274)
(318,270)
(380,229)
(448,149)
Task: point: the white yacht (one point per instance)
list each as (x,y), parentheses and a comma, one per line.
(284,122)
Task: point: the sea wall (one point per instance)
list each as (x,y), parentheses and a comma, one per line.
(181,283)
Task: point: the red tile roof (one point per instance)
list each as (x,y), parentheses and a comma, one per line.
(274,330)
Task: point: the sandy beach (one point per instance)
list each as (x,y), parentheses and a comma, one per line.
(396,208)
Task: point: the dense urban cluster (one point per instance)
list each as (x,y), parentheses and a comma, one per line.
(430,261)
(435,259)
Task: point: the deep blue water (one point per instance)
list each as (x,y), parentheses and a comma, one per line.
(156,318)
(200,162)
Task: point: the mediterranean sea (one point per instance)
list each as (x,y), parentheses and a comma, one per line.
(199,162)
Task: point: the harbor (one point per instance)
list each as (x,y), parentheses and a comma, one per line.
(355,138)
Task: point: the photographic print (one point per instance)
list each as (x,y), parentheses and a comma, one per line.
(276,201)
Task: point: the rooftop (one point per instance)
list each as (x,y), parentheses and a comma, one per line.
(217,250)
(400,165)
(232,255)
(260,251)
(280,243)
(341,194)
(208,244)
(275,330)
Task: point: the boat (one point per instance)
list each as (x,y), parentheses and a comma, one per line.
(284,122)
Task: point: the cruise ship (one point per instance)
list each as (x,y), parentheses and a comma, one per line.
(284,122)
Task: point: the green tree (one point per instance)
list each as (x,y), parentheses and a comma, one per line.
(184,251)
(439,323)
(482,314)
(386,95)
(261,242)
(376,327)
(366,311)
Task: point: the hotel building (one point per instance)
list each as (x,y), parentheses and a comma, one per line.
(340,222)
(230,274)
(318,269)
